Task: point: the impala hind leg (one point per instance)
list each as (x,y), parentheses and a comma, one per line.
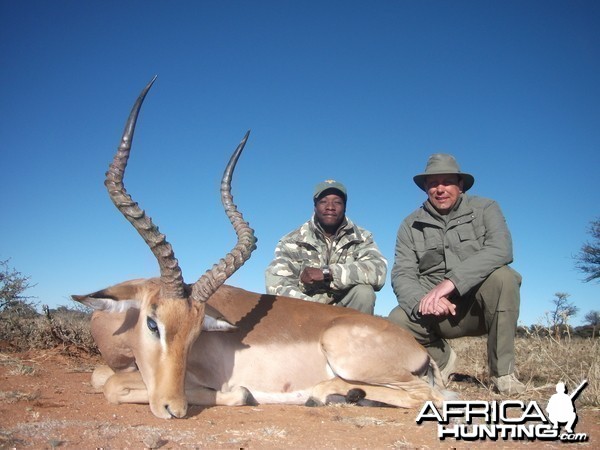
(359,397)
(330,391)
(355,396)
(381,354)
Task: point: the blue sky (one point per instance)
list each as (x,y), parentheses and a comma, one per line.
(362,92)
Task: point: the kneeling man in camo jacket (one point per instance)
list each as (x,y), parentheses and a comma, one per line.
(328,259)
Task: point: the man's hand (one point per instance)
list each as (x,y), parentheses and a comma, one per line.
(437,301)
(311,275)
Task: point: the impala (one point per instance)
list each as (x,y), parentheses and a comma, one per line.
(170,344)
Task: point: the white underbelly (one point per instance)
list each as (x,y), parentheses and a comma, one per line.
(284,373)
(281,373)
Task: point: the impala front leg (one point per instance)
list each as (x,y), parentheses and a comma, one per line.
(202,396)
(126,387)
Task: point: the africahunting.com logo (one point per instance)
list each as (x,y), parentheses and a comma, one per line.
(510,419)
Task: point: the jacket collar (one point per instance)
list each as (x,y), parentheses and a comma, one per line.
(318,229)
(346,233)
(429,214)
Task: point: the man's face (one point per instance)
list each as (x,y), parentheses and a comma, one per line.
(330,211)
(443,191)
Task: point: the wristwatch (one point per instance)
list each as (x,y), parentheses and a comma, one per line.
(326,273)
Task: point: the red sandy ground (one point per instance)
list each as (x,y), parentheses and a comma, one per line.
(55,407)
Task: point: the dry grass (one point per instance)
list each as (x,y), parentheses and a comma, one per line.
(541,363)
(67,329)
(18,366)
(18,396)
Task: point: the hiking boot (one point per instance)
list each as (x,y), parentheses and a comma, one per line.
(508,384)
(449,367)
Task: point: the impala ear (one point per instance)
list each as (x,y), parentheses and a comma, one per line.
(215,321)
(120,297)
(217,324)
(99,303)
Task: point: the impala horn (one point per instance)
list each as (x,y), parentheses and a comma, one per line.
(246,243)
(172,284)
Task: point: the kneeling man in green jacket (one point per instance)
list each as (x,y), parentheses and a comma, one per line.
(451,275)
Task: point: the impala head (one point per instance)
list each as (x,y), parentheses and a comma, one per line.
(167,314)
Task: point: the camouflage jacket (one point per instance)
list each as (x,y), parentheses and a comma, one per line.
(352,256)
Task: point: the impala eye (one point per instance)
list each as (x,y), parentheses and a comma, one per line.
(152,326)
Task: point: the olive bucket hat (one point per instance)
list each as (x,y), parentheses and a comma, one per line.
(441,163)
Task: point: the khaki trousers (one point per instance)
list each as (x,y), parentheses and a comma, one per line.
(491,308)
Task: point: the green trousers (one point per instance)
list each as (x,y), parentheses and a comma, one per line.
(490,308)
(360,297)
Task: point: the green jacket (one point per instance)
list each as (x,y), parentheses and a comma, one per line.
(465,246)
(352,256)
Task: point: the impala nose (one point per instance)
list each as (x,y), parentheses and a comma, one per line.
(175,411)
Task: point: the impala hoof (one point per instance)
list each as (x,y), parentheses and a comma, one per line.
(313,402)
(333,399)
(249,399)
(355,395)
